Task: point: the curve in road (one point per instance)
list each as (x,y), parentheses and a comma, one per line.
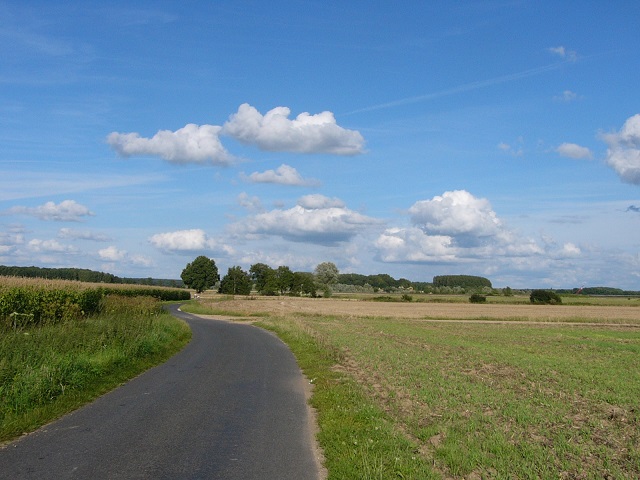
(231,405)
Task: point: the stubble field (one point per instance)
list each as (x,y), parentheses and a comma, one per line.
(455,390)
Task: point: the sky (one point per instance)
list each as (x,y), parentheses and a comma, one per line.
(493,138)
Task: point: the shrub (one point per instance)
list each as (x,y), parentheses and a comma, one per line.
(545,297)
(477,298)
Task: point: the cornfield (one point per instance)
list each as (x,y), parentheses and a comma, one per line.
(29,301)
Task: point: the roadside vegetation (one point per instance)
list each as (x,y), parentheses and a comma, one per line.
(62,344)
(419,398)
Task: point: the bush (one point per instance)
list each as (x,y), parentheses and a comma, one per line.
(477,298)
(545,297)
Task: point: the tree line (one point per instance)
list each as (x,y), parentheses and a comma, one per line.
(202,274)
(84,275)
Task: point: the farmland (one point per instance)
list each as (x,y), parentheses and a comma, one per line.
(456,390)
(64,343)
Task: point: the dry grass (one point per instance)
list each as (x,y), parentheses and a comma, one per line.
(428,311)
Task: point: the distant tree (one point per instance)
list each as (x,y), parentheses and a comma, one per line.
(304,284)
(260,273)
(545,297)
(326,274)
(236,282)
(463,281)
(283,279)
(201,274)
(507,292)
(477,298)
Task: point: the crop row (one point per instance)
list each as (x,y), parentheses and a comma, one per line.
(43,303)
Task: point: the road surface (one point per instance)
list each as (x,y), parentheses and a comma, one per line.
(231,405)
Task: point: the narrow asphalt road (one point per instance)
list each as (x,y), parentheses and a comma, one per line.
(231,405)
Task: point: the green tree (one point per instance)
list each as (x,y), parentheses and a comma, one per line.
(235,282)
(545,297)
(283,279)
(260,274)
(326,274)
(201,274)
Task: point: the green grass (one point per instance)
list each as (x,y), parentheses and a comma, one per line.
(47,371)
(358,438)
(412,399)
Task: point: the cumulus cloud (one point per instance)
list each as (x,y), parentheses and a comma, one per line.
(573,150)
(623,152)
(112,254)
(307,133)
(317,201)
(65,211)
(454,227)
(188,241)
(414,245)
(49,246)
(190,144)
(456,213)
(315,219)
(283,175)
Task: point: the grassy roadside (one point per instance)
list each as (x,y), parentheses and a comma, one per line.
(49,370)
(358,438)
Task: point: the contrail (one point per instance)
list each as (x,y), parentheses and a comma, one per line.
(463,88)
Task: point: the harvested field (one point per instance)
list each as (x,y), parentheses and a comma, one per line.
(430,311)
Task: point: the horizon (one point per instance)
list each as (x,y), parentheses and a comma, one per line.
(496,139)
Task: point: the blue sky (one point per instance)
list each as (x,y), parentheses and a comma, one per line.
(496,138)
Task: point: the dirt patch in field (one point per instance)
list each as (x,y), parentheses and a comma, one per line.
(431,311)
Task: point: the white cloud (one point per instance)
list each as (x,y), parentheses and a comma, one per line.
(570,250)
(73,234)
(455,213)
(49,246)
(190,144)
(413,245)
(316,201)
(307,133)
(573,150)
(188,241)
(565,53)
(623,154)
(283,175)
(315,219)
(10,240)
(455,227)
(112,254)
(141,260)
(65,211)
(250,203)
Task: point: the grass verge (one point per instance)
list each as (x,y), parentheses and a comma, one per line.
(358,438)
(47,371)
